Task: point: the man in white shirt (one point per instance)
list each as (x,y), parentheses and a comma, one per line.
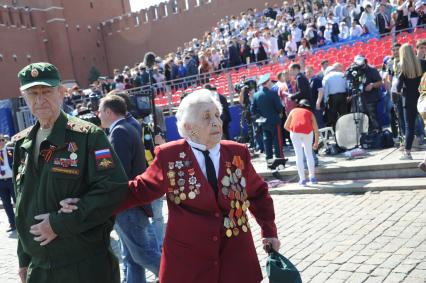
(296,33)
(255,43)
(355,30)
(290,47)
(7,193)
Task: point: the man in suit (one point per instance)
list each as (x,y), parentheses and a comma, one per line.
(234,53)
(225,116)
(267,108)
(7,194)
(382,20)
(303,89)
(139,242)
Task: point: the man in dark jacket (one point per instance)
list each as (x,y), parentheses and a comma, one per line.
(139,242)
(382,20)
(234,53)
(303,89)
(7,193)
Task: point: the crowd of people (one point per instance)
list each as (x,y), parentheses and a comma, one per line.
(276,34)
(331,94)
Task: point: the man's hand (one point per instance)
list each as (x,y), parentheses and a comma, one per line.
(274,242)
(369,87)
(68,205)
(158,139)
(43,231)
(318,106)
(23,274)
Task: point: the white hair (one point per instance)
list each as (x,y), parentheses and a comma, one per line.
(188,109)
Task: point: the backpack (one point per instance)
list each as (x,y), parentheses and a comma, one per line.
(377,140)
(387,139)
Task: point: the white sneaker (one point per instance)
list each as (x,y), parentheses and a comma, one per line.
(406,156)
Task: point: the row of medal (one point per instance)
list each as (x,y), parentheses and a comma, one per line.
(237,217)
(176,175)
(233,187)
(68,162)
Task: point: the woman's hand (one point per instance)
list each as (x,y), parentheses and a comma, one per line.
(315,145)
(274,242)
(68,205)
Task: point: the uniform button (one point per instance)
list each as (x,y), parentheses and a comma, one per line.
(217,214)
(214,238)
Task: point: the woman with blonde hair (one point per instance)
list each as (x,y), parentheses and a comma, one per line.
(408,83)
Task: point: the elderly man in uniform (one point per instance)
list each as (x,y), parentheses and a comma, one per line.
(267,106)
(58,158)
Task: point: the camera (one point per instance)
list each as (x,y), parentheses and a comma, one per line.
(355,75)
(248,85)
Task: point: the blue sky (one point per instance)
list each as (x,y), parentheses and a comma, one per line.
(136,5)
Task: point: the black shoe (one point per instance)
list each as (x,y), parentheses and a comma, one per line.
(12,228)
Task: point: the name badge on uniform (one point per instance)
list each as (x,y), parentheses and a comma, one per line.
(62,170)
(104,159)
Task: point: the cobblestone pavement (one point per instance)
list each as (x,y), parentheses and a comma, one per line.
(375,237)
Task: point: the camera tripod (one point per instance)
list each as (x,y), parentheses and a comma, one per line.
(358,116)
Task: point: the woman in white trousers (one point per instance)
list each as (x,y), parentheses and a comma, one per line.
(302,125)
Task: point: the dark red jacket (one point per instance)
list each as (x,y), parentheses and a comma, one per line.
(196,247)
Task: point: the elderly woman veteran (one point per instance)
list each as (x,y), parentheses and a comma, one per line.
(210,185)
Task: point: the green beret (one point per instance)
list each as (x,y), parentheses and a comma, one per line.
(44,74)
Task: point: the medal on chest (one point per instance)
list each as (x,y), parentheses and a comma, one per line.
(234,190)
(183,184)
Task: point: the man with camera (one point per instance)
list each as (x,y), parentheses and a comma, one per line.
(365,80)
(370,95)
(246,90)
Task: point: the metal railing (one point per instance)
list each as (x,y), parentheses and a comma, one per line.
(168,92)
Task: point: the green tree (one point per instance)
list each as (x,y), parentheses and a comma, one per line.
(93,74)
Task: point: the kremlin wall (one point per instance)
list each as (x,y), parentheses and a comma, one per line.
(76,35)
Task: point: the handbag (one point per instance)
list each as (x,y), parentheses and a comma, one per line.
(280,269)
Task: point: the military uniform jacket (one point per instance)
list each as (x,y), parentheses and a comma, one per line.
(267,104)
(77,161)
(207,240)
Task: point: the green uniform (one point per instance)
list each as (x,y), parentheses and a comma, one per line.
(76,160)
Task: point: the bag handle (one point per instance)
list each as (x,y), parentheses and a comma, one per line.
(268,248)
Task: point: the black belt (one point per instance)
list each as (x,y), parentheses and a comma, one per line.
(339,93)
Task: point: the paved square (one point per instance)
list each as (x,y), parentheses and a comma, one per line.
(372,237)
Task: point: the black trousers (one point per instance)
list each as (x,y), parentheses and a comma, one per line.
(336,107)
(7,194)
(371,111)
(410,112)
